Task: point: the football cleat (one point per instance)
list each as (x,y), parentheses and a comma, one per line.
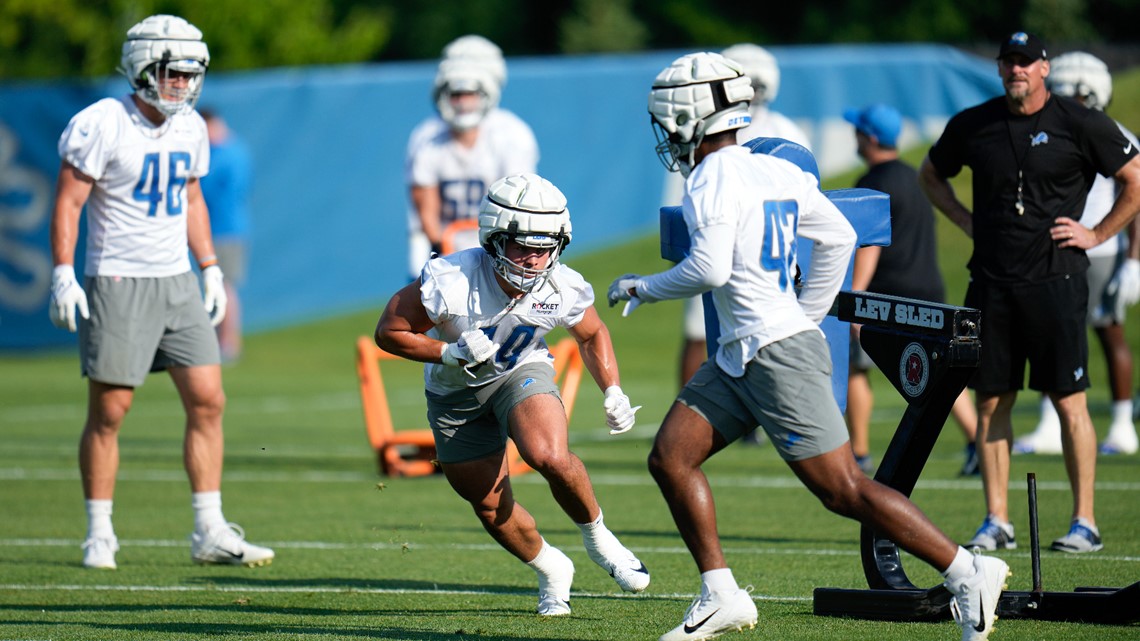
(992,535)
(974,604)
(1121,439)
(1082,537)
(627,571)
(971,466)
(713,614)
(227,546)
(99,552)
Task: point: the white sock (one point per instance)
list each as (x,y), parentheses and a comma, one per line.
(99,519)
(207,511)
(718,580)
(595,532)
(551,564)
(1122,416)
(961,568)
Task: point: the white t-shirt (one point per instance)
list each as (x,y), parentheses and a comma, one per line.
(136,213)
(744,212)
(1101,197)
(505,145)
(460,292)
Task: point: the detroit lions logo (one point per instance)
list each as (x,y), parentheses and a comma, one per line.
(526,383)
(1039,138)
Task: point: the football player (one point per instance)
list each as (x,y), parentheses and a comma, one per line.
(477,318)
(772,368)
(135,162)
(453,156)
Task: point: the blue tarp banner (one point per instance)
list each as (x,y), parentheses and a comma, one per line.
(329,202)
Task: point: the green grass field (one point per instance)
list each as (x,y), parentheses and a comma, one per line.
(360,556)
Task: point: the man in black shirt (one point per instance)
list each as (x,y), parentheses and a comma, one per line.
(1034,156)
(907,267)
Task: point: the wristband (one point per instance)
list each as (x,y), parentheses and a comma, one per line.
(208,261)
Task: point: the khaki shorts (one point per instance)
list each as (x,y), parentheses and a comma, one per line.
(473,423)
(143,325)
(786,389)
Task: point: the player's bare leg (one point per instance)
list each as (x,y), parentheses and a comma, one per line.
(684,442)
(844,489)
(538,427)
(204,446)
(486,485)
(107,406)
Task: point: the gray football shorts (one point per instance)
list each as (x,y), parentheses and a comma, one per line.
(786,389)
(143,325)
(472,423)
(1102,305)
(858,359)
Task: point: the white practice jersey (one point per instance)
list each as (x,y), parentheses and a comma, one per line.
(744,212)
(136,214)
(1101,197)
(772,124)
(460,292)
(505,146)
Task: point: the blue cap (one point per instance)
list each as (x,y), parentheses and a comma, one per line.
(881,121)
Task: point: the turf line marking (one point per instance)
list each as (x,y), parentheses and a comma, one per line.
(641,480)
(262,589)
(494,547)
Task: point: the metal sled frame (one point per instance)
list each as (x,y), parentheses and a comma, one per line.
(929,351)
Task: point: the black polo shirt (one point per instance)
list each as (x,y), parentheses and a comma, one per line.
(1059,151)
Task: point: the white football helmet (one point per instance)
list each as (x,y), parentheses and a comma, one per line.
(699,94)
(463,76)
(761,67)
(531,211)
(1082,76)
(479,50)
(156,49)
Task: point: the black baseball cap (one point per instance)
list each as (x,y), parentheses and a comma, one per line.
(1023,43)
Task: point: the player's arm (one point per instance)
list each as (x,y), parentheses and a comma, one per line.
(68,300)
(834,241)
(198,222)
(71,192)
(941,194)
(597,349)
(428,207)
(598,355)
(402,327)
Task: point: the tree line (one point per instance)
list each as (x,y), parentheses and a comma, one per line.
(81,38)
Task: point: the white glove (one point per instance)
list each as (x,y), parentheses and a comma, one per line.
(472,348)
(215,294)
(66,295)
(619,291)
(1125,285)
(619,415)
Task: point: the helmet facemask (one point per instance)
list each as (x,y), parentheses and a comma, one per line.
(531,211)
(455,83)
(172,87)
(526,279)
(165,61)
